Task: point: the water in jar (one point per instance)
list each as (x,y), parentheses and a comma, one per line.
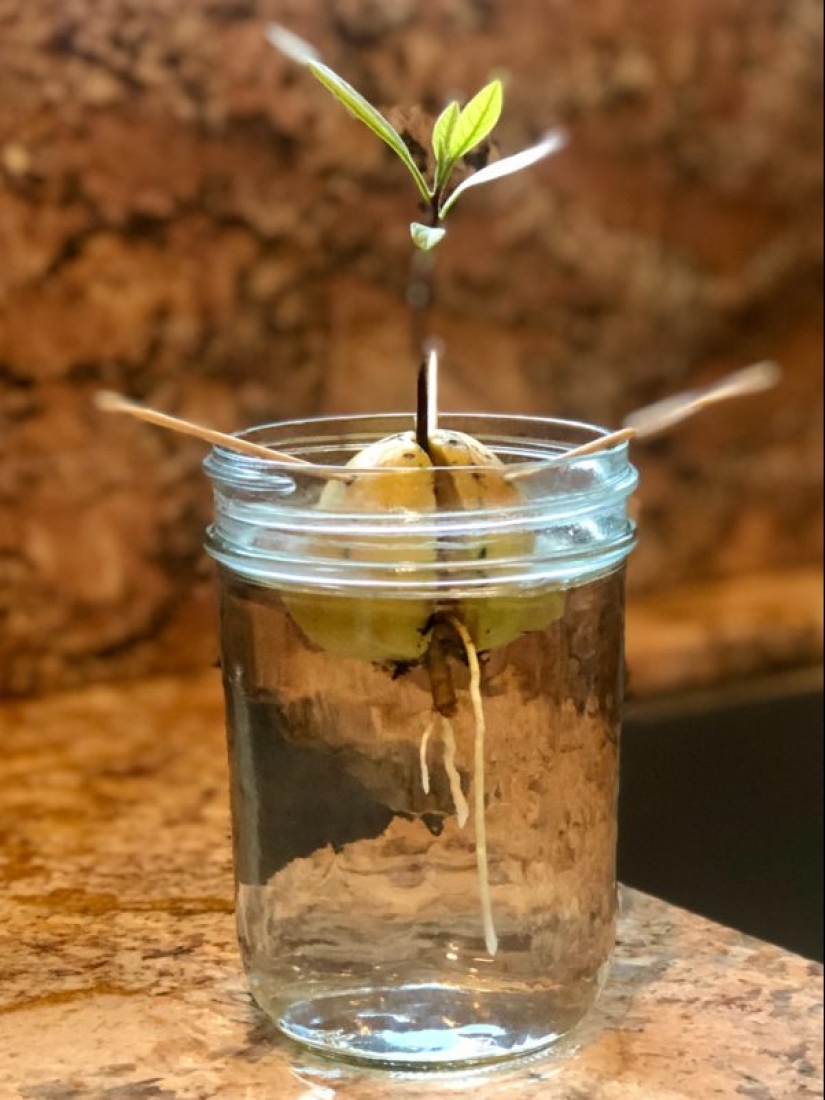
(358,893)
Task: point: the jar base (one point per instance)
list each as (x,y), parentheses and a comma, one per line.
(426,1027)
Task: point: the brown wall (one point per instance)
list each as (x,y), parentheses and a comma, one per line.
(187,218)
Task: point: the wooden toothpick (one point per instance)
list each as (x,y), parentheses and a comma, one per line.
(115,403)
(664,415)
(625,435)
(606,442)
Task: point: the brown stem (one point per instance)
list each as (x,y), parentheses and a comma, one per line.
(423,427)
(427,417)
(442,686)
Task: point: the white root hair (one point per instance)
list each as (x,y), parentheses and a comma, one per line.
(482,854)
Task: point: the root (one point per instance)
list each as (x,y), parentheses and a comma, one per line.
(482,856)
(425,746)
(451,768)
(462,809)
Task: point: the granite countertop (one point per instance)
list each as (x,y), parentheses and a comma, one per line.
(121,977)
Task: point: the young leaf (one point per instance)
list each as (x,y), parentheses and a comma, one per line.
(442,133)
(552,143)
(426,237)
(300,51)
(477,121)
(373,119)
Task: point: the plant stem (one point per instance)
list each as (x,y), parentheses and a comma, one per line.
(422,420)
(421,293)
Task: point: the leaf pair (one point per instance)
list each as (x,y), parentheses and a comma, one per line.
(457,132)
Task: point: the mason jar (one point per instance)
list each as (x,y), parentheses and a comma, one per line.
(423,713)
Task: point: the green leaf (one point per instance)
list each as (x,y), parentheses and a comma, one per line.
(373,119)
(477,121)
(552,143)
(443,132)
(442,137)
(426,237)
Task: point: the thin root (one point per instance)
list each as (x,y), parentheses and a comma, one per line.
(482,856)
(425,746)
(462,808)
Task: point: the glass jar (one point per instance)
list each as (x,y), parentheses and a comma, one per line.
(425,843)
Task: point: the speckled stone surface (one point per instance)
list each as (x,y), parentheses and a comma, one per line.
(121,979)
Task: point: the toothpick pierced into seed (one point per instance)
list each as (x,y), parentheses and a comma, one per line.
(674,410)
(643,424)
(664,415)
(115,403)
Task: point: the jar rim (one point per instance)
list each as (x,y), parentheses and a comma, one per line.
(566,522)
(223,463)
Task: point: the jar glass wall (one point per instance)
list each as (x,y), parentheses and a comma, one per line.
(425,845)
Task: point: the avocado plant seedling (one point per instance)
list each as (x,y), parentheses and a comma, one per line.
(457,132)
(431,471)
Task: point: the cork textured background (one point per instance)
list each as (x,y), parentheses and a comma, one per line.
(187,218)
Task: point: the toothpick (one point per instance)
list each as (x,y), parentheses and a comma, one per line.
(664,415)
(615,439)
(606,443)
(115,403)
(674,410)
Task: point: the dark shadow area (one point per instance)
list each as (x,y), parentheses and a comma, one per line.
(722,810)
